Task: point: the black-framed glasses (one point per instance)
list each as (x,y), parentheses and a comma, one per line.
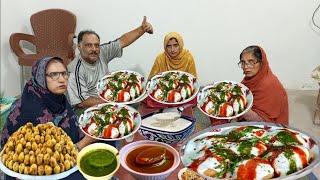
(249,63)
(55,75)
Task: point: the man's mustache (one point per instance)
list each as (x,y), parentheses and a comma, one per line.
(94,53)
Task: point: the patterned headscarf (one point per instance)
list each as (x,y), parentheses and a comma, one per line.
(39,105)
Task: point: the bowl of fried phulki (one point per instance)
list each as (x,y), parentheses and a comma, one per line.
(42,150)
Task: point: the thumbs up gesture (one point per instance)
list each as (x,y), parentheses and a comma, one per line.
(147,27)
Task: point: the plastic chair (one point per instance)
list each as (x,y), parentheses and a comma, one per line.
(53,36)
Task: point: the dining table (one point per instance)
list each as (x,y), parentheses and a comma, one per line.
(202,122)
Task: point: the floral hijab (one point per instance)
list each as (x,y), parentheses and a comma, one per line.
(38,105)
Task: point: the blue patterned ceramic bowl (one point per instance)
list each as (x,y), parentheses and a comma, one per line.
(171,135)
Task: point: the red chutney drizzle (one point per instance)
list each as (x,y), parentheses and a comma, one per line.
(223,110)
(171,96)
(149,168)
(207,153)
(261,147)
(247,171)
(259,133)
(121,95)
(108,131)
(302,155)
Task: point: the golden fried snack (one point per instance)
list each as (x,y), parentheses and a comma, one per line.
(191,175)
(39,150)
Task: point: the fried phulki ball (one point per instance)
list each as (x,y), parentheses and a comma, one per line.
(46,159)
(15,167)
(10,145)
(57,169)
(21,157)
(19,148)
(48,169)
(41,170)
(26,159)
(26,151)
(34,146)
(10,164)
(15,157)
(67,164)
(26,170)
(53,161)
(33,169)
(32,159)
(40,159)
(21,168)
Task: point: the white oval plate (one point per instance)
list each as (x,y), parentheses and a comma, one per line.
(151,85)
(85,117)
(187,146)
(11,173)
(102,83)
(204,93)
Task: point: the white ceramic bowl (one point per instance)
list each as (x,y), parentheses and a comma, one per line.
(166,136)
(144,176)
(96,146)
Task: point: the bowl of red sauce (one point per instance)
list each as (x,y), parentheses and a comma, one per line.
(149,160)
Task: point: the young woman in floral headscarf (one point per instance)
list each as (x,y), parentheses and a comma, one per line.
(270,100)
(43,101)
(174,57)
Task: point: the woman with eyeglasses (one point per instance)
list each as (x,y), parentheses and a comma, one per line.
(43,101)
(270,100)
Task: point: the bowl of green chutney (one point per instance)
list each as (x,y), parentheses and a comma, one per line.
(98,161)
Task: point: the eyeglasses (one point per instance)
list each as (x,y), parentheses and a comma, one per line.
(55,75)
(250,63)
